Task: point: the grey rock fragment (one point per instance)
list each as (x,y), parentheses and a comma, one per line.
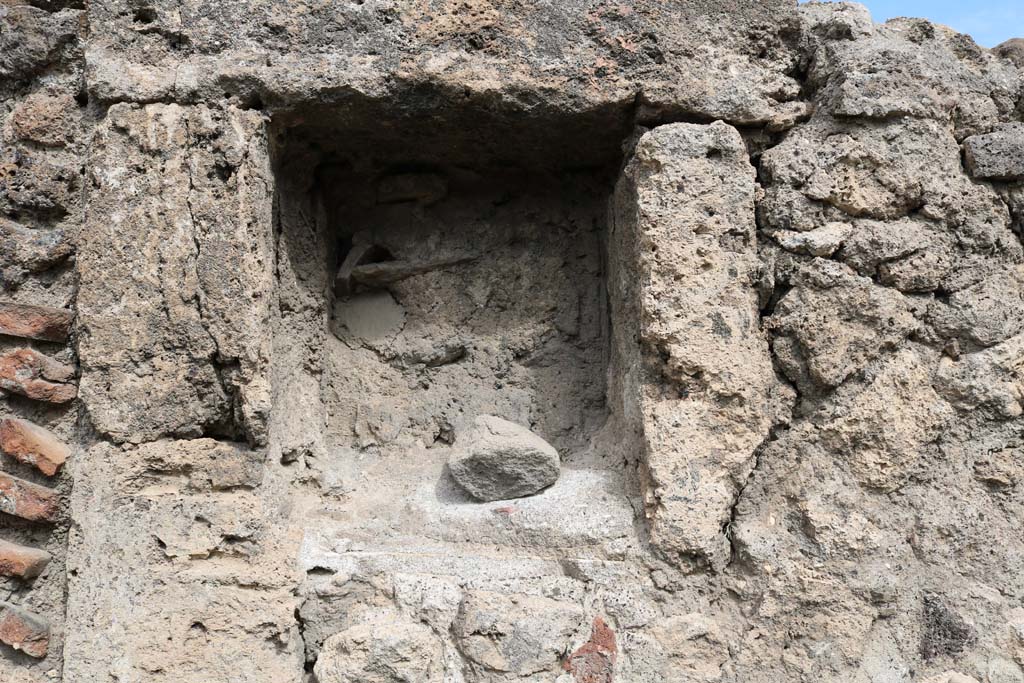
(517,634)
(31,38)
(388,650)
(945,632)
(822,241)
(499,460)
(910,67)
(986,313)
(950,677)
(833,323)
(433,354)
(987,381)
(834,21)
(998,155)
(29,251)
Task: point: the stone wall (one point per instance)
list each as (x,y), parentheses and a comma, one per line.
(754,270)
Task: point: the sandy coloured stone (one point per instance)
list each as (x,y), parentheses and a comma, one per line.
(694,371)
(193,208)
(33,445)
(206,464)
(385,650)
(823,241)
(21,561)
(44,323)
(27,500)
(499,459)
(33,375)
(514,633)
(44,119)
(24,631)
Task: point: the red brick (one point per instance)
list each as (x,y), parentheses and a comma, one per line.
(35,322)
(594,662)
(20,561)
(24,631)
(27,500)
(32,445)
(30,373)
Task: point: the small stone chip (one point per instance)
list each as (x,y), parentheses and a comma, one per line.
(498,460)
(822,241)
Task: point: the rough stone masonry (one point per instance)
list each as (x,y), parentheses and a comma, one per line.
(742,281)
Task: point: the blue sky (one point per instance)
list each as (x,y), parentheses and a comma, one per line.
(990,22)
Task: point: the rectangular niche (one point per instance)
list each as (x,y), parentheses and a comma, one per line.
(459,259)
(462,293)
(434,270)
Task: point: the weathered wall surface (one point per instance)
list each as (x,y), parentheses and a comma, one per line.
(756,270)
(44,135)
(181,350)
